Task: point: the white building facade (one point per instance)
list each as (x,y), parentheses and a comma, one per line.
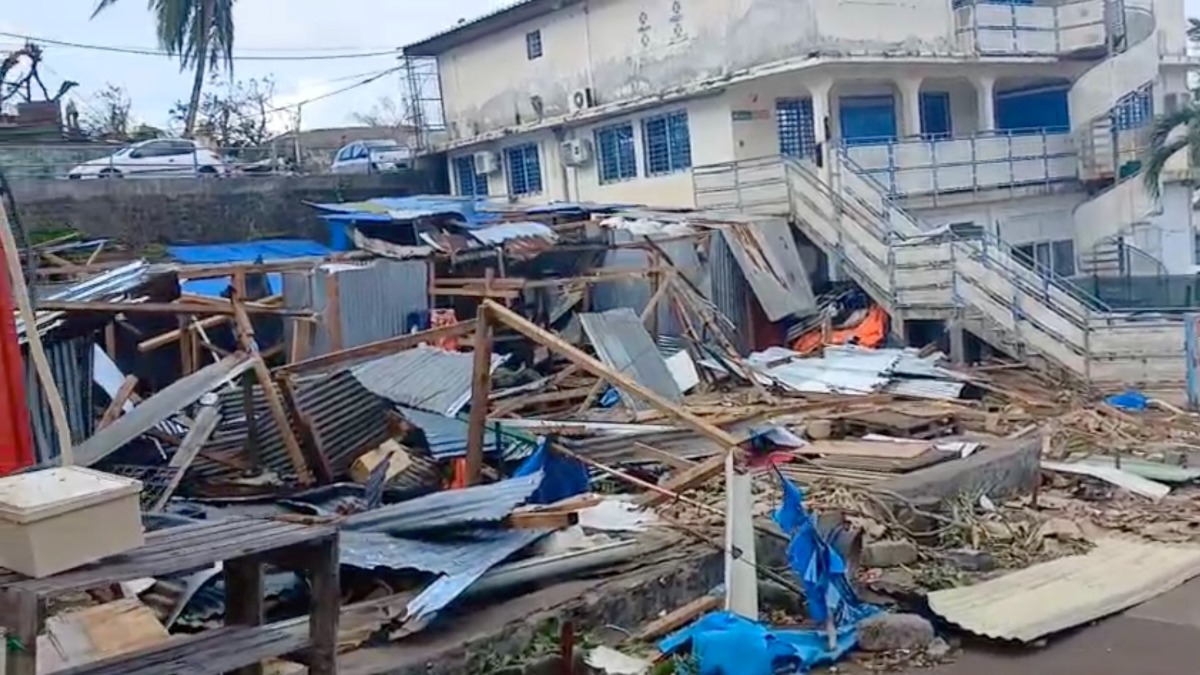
(1021,119)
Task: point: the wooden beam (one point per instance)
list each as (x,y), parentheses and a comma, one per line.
(174,335)
(685,480)
(677,618)
(114,409)
(541,520)
(245,334)
(161,308)
(206,423)
(58,412)
(230,269)
(377,349)
(481,388)
(310,440)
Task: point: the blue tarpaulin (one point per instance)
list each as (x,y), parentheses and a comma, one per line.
(1130,400)
(242,252)
(564,477)
(724,643)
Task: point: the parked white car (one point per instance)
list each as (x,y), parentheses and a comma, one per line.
(160,157)
(371,157)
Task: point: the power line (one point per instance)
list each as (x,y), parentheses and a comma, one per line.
(331,94)
(160,53)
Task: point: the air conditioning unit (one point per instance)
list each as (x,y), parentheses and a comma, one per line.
(576,152)
(487,163)
(582,99)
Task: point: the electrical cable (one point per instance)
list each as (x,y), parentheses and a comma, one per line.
(331,94)
(236,57)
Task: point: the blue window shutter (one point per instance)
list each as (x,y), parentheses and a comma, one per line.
(524,169)
(470,184)
(1033,110)
(794,119)
(867,119)
(935,114)
(616,157)
(668,144)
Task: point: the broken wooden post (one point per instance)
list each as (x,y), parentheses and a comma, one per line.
(206,423)
(682,481)
(117,405)
(481,387)
(245,335)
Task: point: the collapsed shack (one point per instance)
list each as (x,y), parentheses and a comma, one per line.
(501,410)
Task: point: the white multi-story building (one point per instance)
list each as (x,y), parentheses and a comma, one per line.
(1024,119)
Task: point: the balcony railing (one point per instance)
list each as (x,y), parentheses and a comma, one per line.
(910,167)
(986,28)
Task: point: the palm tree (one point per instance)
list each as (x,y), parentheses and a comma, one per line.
(1174,132)
(198,32)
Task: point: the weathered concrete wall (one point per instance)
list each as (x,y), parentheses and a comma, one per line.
(148,211)
(626,49)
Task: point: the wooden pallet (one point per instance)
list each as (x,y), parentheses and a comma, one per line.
(896,424)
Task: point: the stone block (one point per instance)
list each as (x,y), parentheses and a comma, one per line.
(890,632)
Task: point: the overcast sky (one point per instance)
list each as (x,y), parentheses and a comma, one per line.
(263,28)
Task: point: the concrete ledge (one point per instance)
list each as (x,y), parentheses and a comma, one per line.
(1001,469)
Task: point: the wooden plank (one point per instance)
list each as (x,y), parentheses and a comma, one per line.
(377,349)
(880,449)
(162,308)
(22,613)
(244,602)
(104,631)
(326,607)
(310,440)
(174,335)
(215,651)
(116,407)
(202,429)
(678,618)
(481,387)
(273,398)
(541,520)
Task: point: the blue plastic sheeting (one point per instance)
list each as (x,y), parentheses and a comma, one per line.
(724,643)
(1033,110)
(564,477)
(867,119)
(1130,400)
(822,571)
(242,252)
(470,210)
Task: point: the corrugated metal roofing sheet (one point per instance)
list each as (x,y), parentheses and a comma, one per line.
(108,285)
(403,209)
(1054,596)
(71,366)
(766,252)
(498,234)
(447,436)
(448,509)
(424,377)
(622,343)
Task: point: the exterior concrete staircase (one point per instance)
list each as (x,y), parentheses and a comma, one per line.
(916,274)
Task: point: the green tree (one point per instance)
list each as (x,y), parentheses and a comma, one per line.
(1174,132)
(197,32)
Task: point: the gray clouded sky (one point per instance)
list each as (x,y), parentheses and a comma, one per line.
(263,27)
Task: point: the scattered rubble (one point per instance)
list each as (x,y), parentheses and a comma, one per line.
(489,404)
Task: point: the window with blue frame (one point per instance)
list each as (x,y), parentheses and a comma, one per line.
(867,119)
(533,45)
(668,143)
(794,119)
(935,115)
(615,153)
(1033,110)
(524,168)
(1135,110)
(470,184)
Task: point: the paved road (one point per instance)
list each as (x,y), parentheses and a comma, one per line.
(1160,637)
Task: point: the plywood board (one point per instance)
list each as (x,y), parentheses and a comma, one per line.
(883,449)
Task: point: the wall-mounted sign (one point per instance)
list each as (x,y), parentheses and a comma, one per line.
(751,115)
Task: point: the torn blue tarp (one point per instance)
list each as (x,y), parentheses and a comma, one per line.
(564,477)
(1130,400)
(821,569)
(723,643)
(242,252)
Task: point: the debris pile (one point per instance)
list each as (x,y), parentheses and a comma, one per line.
(610,416)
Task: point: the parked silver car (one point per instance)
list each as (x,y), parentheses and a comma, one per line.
(372,157)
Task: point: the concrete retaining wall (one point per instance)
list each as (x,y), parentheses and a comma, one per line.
(148,211)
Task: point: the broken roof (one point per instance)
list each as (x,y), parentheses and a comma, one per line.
(423,377)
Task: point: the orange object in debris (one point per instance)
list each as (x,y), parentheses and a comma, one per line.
(442,318)
(870,332)
(459,478)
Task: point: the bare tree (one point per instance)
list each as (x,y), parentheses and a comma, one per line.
(108,117)
(386,112)
(236,116)
(22,85)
